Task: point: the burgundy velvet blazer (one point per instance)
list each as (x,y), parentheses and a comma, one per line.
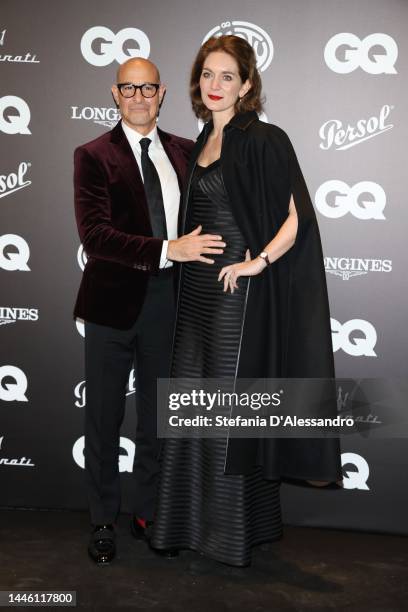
(114,226)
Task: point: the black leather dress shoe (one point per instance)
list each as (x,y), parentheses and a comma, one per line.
(102,547)
(143,533)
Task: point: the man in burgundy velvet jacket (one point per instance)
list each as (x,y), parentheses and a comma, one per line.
(127,195)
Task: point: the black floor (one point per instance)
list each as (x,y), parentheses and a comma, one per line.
(309,569)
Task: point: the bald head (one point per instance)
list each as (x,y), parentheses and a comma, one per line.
(137,111)
(137,65)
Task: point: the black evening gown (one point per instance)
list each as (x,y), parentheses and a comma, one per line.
(199,507)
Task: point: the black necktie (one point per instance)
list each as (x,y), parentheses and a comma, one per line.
(153,192)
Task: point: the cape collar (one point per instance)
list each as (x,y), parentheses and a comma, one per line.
(242,121)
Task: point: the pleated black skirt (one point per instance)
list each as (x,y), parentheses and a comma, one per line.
(198,506)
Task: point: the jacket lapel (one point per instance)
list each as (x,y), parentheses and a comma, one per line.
(175,156)
(128,167)
(178,160)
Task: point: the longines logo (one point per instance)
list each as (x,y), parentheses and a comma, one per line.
(334,134)
(347,267)
(364,200)
(12,315)
(259,40)
(125,460)
(100,46)
(9,183)
(13,384)
(356,53)
(21,462)
(15,121)
(355,479)
(10,260)
(80,390)
(28,58)
(100,115)
(356,337)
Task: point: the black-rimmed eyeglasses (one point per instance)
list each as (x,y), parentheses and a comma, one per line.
(128,90)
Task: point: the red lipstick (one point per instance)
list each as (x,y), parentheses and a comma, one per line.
(212,97)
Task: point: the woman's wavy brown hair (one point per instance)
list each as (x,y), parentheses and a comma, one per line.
(244,55)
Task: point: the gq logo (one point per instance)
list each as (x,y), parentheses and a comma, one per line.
(343,337)
(125,461)
(358,479)
(80,325)
(14,261)
(82,257)
(18,119)
(100,46)
(259,40)
(349,199)
(358,53)
(13,391)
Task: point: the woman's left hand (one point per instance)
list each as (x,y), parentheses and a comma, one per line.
(249,267)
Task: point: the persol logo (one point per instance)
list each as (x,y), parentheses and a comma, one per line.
(259,40)
(334,134)
(9,183)
(80,390)
(80,394)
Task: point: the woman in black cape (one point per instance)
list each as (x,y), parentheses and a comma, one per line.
(260,311)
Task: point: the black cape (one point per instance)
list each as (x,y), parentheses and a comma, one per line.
(286,330)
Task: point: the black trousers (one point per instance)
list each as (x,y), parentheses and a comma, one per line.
(109,355)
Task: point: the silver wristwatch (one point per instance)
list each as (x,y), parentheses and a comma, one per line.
(264,256)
